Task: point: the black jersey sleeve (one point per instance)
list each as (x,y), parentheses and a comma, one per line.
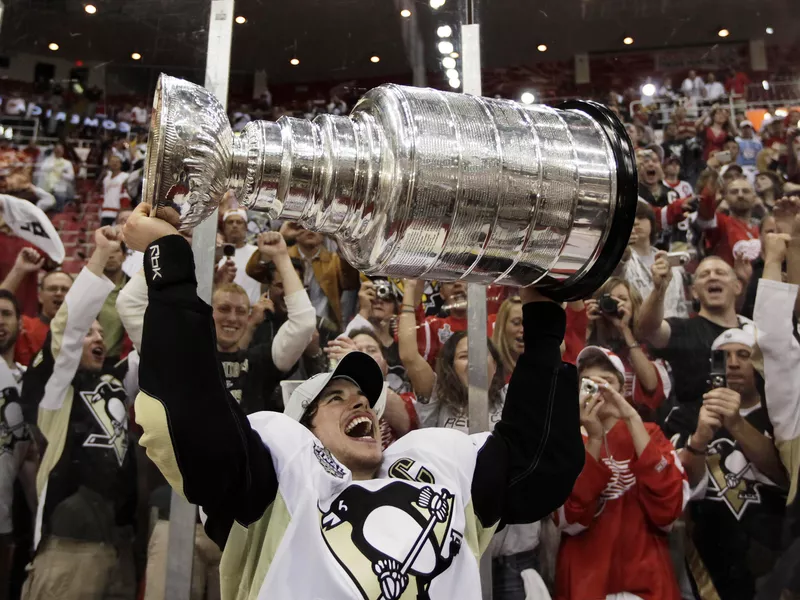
(528,466)
(194,431)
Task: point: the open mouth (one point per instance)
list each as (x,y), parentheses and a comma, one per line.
(359,428)
(651,173)
(715,289)
(230,330)
(98,352)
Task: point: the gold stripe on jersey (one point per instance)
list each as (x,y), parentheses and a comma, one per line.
(789,451)
(54,425)
(156,439)
(249,552)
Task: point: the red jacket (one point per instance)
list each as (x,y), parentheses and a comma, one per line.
(616,521)
(722,231)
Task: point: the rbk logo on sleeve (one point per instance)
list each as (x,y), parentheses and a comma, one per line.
(155,266)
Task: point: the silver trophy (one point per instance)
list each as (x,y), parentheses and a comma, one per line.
(415,182)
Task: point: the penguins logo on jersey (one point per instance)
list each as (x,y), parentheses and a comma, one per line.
(12,425)
(107,405)
(393,541)
(733,479)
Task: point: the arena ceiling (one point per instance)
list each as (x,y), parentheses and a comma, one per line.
(334,39)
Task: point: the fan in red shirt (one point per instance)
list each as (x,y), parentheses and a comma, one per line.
(52,291)
(724,232)
(630,492)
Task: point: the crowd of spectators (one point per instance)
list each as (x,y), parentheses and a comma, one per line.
(687,359)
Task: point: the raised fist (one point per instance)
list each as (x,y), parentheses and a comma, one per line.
(271,244)
(28,260)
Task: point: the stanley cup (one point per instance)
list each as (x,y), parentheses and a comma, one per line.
(416,182)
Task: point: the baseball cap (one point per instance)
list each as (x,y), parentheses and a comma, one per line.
(612,358)
(746,123)
(735,336)
(672,159)
(234,212)
(358,367)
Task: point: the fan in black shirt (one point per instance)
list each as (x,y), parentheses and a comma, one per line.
(736,514)
(686,343)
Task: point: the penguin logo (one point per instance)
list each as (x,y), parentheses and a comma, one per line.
(394,541)
(733,479)
(108,409)
(12,425)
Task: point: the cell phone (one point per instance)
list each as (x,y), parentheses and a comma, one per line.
(678,259)
(723,156)
(228,250)
(588,389)
(717,376)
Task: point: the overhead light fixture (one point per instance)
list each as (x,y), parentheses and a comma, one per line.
(445,47)
(448,62)
(723,32)
(542,47)
(527,98)
(136,56)
(90,9)
(648,89)
(240,20)
(294,62)
(405,13)
(444,31)
(770,30)
(628,40)
(375,59)
(452,73)
(437,4)
(454,55)
(765,84)
(781,112)
(455,83)
(53,46)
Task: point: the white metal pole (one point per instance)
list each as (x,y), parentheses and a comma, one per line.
(476,294)
(183,515)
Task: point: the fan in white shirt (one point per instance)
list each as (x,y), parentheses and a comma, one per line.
(234,229)
(114,191)
(714,89)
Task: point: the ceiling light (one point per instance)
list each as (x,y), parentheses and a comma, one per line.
(445,47)
(136,56)
(449,63)
(542,47)
(454,54)
(627,40)
(437,4)
(723,32)
(375,59)
(90,9)
(765,84)
(455,83)
(527,98)
(405,13)
(240,20)
(53,46)
(444,31)
(452,73)
(648,89)
(781,112)
(770,31)
(294,62)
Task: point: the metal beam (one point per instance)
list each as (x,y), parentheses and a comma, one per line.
(183,515)
(478,374)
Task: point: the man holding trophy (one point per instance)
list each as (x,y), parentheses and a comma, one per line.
(414,183)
